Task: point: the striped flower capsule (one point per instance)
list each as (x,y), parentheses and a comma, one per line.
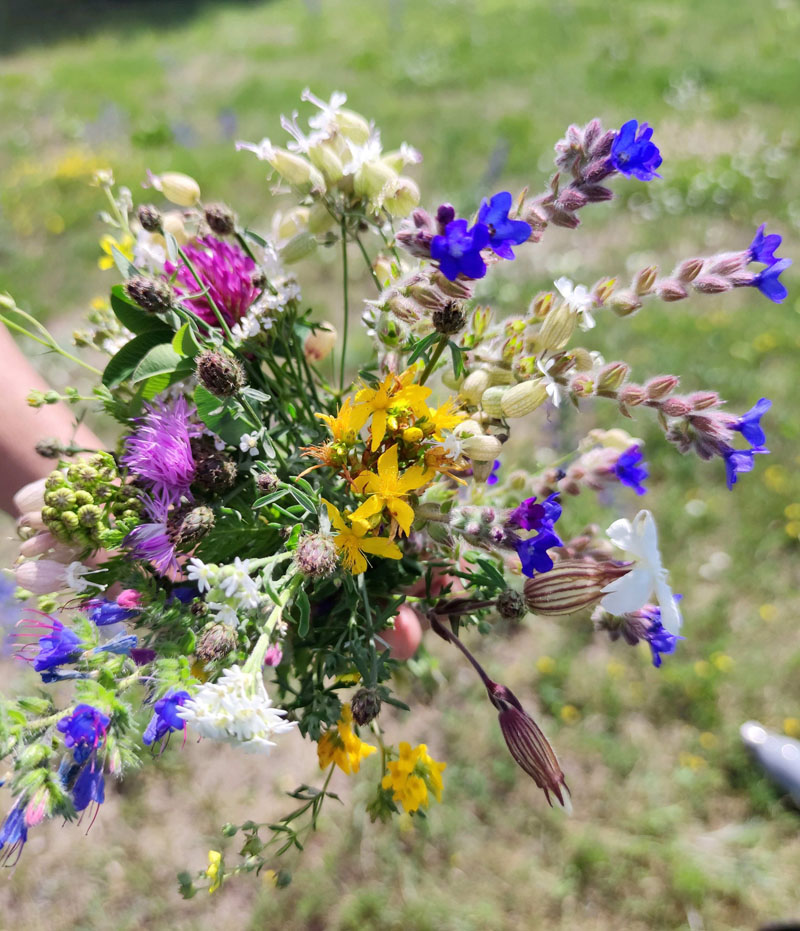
(491,398)
(557,329)
(474,385)
(570,586)
(523,398)
(482,448)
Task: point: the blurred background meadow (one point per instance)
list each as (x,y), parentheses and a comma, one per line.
(674,826)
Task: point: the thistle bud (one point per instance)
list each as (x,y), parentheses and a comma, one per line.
(149,218)
(319,342)
(511,605)
(643,282)
(316,555)
(151,295)
(215,642)
(611,377)
(220,219)
(298,247)
(50,448)
(557,329)
(220,374)
(661,386)
(524,398)
(177,187)
(474,385)
(570,586)
(365,706)
(214,471)
(448,319)
(482,448)
(689,269)
(188,525)
(670,289)
(267,482)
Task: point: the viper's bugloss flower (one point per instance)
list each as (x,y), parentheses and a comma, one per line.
(493,478)
(503,233)
(661,641)
(342,746)
(738,461)
(151,540)
(633,153)
(122,645)
(458,251)
(84,730)
(749,424)
(629,470)
(13,833)
(225,272)
(541,517)
(103,612)
(165,717)
(413,776)
(768,281)
(61,645)
(762,248)
(159,450)
(89,786)
(644,624)
(530,515)
(533,552)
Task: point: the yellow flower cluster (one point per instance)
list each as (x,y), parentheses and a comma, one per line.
(413,776)
(342,746)
(402,454)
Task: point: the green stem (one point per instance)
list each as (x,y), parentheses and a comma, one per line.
(217,312)
(52,345)
(256,659)
(433,359)
(368,263)
(346,305)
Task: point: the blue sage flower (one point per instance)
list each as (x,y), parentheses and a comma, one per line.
(629,471)
(530,515)
(540,517)
(738,461)
(458,252)
(632,152)
(503,233)
(165,717)
(768,281)
(762,248)
(493,478)
(661,641)
(533,552)
(749,424)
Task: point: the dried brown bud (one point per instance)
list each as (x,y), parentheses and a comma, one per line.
(220,374)
(511,605)
(570,586)
(220,219)
(149,218)
(562,218)
(365,706)
(188,524)
(267,482)
(449,319)
(597,193)
(215,642)
(316,555)
(151,295)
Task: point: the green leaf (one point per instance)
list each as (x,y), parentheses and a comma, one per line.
(304,624)
(185,342)
(458,358)
(124,363)
(172,247)
(126,268)
(303,499)
(161,359)
(422,347)
(225,418)
(132,316)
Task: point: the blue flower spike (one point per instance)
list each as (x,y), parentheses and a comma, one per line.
(634,154)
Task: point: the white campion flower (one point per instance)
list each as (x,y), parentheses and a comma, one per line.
(554,390)
(578,298)
(224,613)
(639,539)
(74,577)
(202,574)
(236,709)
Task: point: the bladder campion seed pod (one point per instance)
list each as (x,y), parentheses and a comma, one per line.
(482,448)
(491,398)
(557,329)
(523,398)
(177,187)
(474,385)
(570,586)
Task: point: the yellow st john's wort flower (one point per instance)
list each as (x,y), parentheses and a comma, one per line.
(442,418)
(214,863)
(352,542)
(412,776)
(388,488)
(107,243)
(346,424)
(342,746)
(395,391)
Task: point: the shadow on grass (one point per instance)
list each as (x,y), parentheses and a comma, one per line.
(24,23)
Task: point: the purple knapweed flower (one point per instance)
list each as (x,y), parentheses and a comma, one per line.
(458,251)
(493,478)
(503,233)
(84,730)
(749,424)
(632,152)
(225,272)
(762,248)
(159,450)
(103,613)
(13,834)
(89,786)
(630,472)
(152,539)
(165,717)
(738,461)
(768,281)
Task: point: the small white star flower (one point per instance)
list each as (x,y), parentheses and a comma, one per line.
(578,298)
(453,446)
(202,574)
(248,443)
(639,539)
(554,390)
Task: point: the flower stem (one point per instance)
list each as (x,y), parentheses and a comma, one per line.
(368,263)
(433,359)
(346,304)
(206,293)
(256,659)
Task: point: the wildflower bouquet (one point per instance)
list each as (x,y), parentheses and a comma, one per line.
(264,544)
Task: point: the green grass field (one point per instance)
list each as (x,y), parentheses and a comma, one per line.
(673,826)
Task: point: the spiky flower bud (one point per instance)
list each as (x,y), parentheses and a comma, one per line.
(50,448)
(689,269)
(188,525)
(365,706)
(220,374)
(643,282)
(267,482)
(149,218)
(214,471)
(215,642)
(316,555)
(151,295)
(670,289)
(624,303)
(220,219)
(570,586)
(449,319)
(511,605)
